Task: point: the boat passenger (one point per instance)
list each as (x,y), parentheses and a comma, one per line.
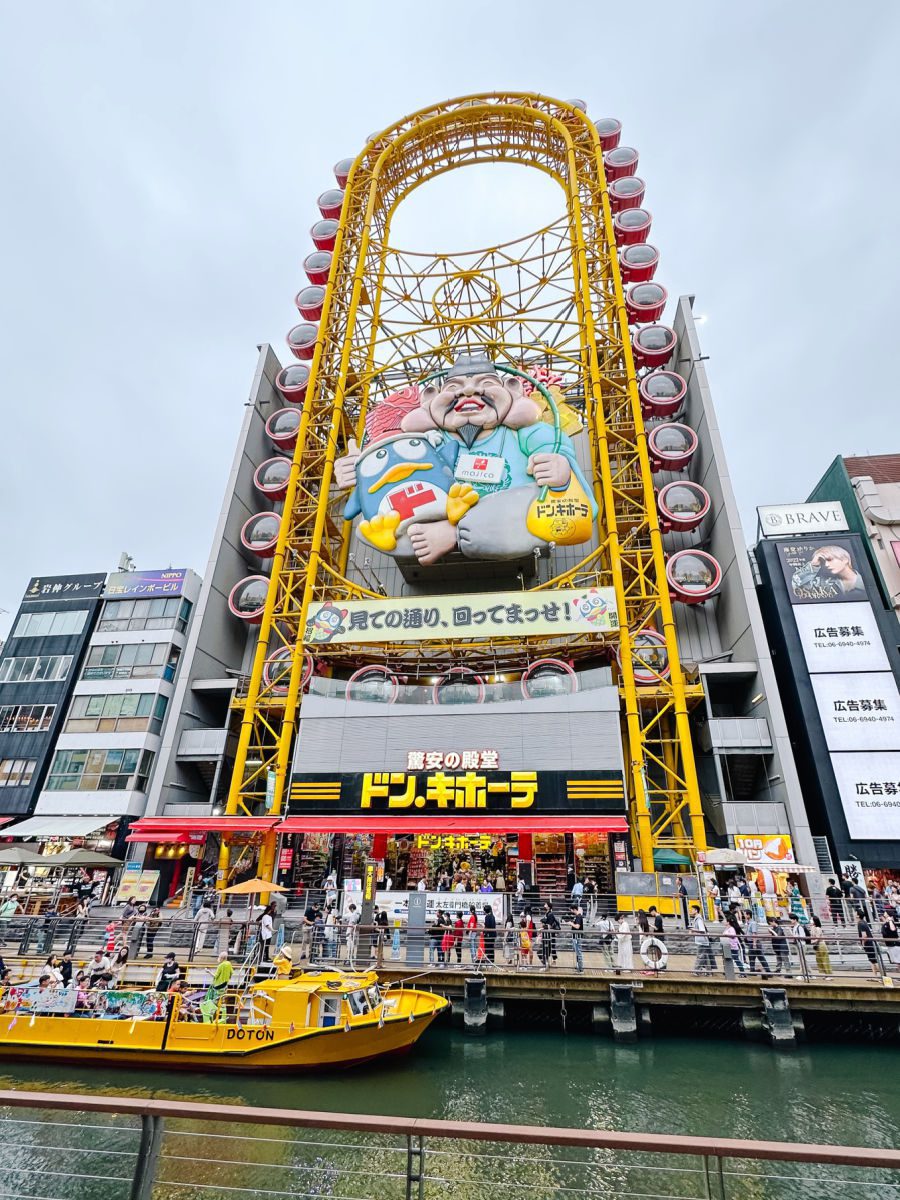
(284,963)
(51,968)
(118,967)
(98,966)
(169,974)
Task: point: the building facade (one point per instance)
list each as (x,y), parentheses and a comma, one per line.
(40,663)
(834,640)
(868,488)
(480,589)
(104,737)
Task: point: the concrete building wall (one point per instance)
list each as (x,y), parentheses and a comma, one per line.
(219,644)
(725,638)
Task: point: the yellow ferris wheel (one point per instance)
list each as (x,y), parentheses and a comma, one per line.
(382,323)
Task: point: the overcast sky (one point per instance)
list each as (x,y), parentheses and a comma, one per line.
(161,160)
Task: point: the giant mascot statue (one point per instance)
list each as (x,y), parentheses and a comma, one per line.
(465,464)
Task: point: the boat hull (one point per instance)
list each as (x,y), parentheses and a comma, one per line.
(206,1047)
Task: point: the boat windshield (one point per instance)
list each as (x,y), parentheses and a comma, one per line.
(374,996)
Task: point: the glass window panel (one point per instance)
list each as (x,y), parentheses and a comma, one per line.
(159,652)
(162,703)
(129,654)
(111,762)
(128,706)
(109,656)
(111,706)
(94,760)
(129,761)
(94,706)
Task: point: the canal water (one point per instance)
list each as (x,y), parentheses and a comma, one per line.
(845,1094)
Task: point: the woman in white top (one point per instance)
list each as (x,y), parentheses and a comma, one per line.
(624,946)
(51,967)
(266,926)
(117,967)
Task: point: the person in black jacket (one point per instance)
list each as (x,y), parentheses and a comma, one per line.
(169,973)
(490,933)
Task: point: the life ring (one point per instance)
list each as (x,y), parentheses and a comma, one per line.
(653,943)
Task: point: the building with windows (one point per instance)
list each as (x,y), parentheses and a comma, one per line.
(39,665)
(868,488)
(107,736)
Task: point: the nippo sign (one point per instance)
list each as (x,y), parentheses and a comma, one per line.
(784,520)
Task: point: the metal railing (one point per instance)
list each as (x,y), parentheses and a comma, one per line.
(27,942)
(71,1147)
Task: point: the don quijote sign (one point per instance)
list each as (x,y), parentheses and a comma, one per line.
(785,520)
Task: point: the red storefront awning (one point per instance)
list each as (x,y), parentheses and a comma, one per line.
(473,824)
(158,829)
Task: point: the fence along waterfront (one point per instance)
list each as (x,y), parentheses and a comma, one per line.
(74,1147)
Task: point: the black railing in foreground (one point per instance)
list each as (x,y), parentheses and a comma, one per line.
(70,1147)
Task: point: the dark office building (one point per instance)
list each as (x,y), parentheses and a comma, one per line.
(38,668)
(834,645)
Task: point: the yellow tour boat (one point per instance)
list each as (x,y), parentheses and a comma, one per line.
(314,1019)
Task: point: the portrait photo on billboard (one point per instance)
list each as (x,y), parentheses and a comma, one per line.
(825,570)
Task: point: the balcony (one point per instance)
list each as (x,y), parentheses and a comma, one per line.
(737,735)
(201,745)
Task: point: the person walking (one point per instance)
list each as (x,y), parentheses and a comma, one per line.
(137,931)
(576,920)
(266,932)
(867,940)
(730,939)
(472,932)
(11,907)
(526,945)
(890,935)
(279,905)
(779,946)
(754,932)
(705,961)
(353,919)
(682,898)
(306,930)
(820,947)
(835,903)
(550,925)
(435,937)
(605,935)
(590,895)
(153,925)
(331,933)
(458,935)
(202,919)
(624,946)
(381,927)
(509,939)
(490,934)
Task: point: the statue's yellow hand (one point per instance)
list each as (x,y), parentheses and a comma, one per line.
(461,498)
(381,531)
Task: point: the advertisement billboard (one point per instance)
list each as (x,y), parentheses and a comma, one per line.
(859,711)
(869,788)
(479,615)
(820,571)
(146,583)
(63,587)
(460,793)
(771,850)
(787,520)
(840,637)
